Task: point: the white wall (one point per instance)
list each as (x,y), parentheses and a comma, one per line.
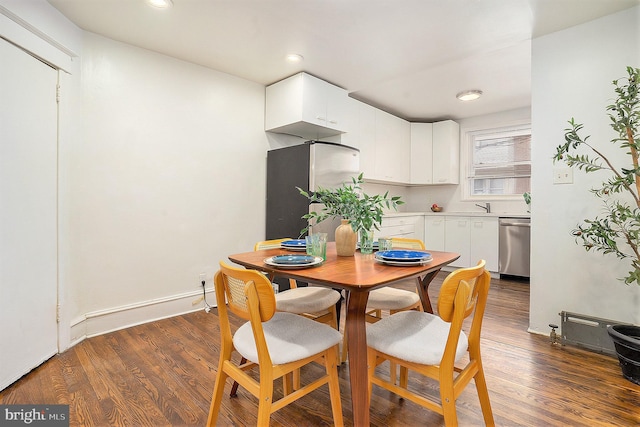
(161,173)
(572,71)
(167,181)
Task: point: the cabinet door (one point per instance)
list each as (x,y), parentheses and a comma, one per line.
(337,102)
(421,153)
(457,239)
(393,151)
(446,152)
(484,242)
(362,135)
(314,100)
(434,229)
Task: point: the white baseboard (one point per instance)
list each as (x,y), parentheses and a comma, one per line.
(104,321)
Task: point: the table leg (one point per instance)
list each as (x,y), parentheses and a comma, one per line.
(355,327)
(423,288)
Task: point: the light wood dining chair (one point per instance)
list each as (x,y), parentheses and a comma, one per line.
(276,343)
(388,298)
(431,345)
(315,302)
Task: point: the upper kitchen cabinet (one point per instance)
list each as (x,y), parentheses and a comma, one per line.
(362,134)
(306,106)
(392,149)
(435,153)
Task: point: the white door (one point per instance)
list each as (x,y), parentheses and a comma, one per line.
(28,213)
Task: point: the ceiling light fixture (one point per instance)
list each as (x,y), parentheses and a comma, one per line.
(161,4)
(294,57)
(469,95)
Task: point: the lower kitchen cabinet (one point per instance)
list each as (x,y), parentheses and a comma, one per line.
(483,239)
(457,239)
(434,232)
(409,227)
(474,238)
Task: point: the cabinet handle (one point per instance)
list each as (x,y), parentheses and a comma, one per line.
(321,118)
(333,122)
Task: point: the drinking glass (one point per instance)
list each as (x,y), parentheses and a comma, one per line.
(366,241)
(317,245)
(385,244)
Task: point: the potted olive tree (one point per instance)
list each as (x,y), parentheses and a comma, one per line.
(360,213)
(617,231)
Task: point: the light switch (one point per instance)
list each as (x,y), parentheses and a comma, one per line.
(562,176)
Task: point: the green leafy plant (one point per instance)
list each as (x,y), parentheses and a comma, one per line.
(617,232)
(364,212)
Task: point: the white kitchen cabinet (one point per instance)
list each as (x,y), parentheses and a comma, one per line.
(484,241)
(409,227)
(362,134)
(306,106)
(456,239)
(421,153)
(434,232)
(474,238)
(392,148)
(435,153)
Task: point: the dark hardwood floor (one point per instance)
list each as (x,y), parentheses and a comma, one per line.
(162,374)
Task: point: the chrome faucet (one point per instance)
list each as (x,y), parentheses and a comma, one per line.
(486,207)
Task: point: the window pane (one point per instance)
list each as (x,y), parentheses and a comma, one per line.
(500,161)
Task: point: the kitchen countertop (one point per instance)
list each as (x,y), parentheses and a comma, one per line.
(474,213)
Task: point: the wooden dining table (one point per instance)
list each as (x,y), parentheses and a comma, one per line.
(358,275)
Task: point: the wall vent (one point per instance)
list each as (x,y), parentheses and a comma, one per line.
(587,331)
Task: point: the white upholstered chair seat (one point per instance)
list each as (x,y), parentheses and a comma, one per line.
(307,299)
(413,336)
(289,338)
(389,298)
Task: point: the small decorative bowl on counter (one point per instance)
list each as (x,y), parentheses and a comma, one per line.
(436,208)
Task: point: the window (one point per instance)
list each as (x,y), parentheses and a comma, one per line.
(500,162)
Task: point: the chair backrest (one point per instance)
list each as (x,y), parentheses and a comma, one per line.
(404,243)
(269,244)
(236,285)
(464,291)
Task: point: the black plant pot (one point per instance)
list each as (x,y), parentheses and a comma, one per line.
(626,339)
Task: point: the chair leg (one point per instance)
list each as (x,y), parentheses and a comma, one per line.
(265,400)
(234,387)
(343,356)
(393,373)
(216,398)
(404,376)
(330,360)
(448,402)
(483,395)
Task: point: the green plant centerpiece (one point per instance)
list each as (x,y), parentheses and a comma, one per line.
(617,231)
(349,203)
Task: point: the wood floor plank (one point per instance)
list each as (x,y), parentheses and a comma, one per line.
(162,374)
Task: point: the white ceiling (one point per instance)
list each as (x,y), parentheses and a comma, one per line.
(408,57)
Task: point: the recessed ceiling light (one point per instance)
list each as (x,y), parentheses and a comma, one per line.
(294,57)
(469,95)
(161,4)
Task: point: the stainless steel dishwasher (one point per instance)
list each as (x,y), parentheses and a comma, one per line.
(514,246)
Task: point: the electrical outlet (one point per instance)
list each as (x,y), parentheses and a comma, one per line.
(276,288)
(203,278)
(562,176)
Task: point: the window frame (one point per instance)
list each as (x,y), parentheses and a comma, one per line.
(467,159)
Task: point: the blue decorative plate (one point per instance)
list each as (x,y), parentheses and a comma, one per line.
(403,255)
(294,243)
(292,259)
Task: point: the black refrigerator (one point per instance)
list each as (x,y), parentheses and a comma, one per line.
(308,166)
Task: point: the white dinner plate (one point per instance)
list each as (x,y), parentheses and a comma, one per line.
(275,263)
(403,263)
